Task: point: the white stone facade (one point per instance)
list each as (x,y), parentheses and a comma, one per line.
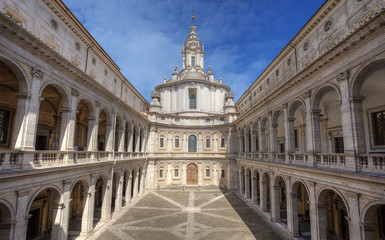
(306,145)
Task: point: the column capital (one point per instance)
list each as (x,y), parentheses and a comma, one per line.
(22,192)
(342,76)
(37,74)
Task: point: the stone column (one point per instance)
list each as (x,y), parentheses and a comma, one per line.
(253,190)
(350,146)
(310,145)
(119,193)
(32,116)
(21,111)
(92,134)
(290,135)
(128,187)
(263,194)
(354,218)
(273,137)
(106,205)
(67,129)
(247,183)
(275,208)
(136,192)
(109,137)
(137,145)
(246,141)
(289,208)
(22,215)
(200,175)
(88,210)
(184,174)
(130,139)
(215,176)
(64,219)
(293,217)
(262,137)
(169,174)
(315,116)
(313,211)
(240,180)
(141,185)
(253,140)
(121,137)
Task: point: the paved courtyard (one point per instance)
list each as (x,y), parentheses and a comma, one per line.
(191,214)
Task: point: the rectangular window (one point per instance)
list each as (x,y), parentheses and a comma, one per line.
(161,142)
(223,145)
(339,144)
(161,173)
(207,172)
(193,61)
(208,145)
(176,144)
(176,172)
(192,93)
(5,127)
(378,128)
(223,173)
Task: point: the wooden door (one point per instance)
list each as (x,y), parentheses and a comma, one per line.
(192,174)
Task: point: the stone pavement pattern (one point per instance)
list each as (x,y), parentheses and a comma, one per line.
(191,214)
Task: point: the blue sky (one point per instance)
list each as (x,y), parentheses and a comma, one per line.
(145,37)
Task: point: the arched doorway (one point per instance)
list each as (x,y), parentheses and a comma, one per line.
(374,222)
(300,211)
(6,226)
(279,198)
(77,207)
(100,199)
(44,222)
(192,174)
(332,216)
(83,129)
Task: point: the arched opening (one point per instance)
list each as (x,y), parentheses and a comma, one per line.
(192,143)
(297,127)
(256,188)
(265,193)
(132,182)
(192,174)
(124,190)
(141,140)
(78,200)
(280,213)
(100,199)
(102,130)
(368,104)
(278,133)
(326,115)
(48,135)
(265,135)
(242,182)
(332,216)
(374,222)
(249,184)
(242,142)
(300,211)
(9,87)
(83,129)
(6,222)
(44,210)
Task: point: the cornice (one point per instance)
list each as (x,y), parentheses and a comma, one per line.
(180,82)
(29,42)
(368,26)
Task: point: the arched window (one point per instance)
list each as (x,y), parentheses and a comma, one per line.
(176,142)
(161,141)
(208,143)
(223,143)
(161,174)
(176,172)
(207,172)
(193,61)
(223,174)
(192,143)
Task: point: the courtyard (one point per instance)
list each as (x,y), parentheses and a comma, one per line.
(190,213)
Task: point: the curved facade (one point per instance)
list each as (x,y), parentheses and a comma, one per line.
(304,144)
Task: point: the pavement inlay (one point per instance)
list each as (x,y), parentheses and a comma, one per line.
(205,213)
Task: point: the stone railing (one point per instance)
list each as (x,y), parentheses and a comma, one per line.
(188,154)
(372,163)
(330,160)
(299,158)
(34,159)
(11,159)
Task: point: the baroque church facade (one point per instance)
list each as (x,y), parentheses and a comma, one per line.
(305,143)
